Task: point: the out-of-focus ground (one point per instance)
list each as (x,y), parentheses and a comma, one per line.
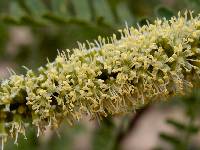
(145,136)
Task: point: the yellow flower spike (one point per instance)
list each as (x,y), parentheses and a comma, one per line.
(112,76)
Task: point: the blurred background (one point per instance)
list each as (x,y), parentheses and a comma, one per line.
(33,30)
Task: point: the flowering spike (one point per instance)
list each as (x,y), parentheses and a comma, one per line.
(146,64)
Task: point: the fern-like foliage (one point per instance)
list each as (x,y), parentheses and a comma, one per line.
(85,12)
(182,139)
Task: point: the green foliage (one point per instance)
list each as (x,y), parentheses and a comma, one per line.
(39,13)
(3,37)
(54,25)
(162,11)
(105,135)
(25,143)
(185,131)
(58,140)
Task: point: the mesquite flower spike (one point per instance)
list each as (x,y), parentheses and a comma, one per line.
(108,77)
